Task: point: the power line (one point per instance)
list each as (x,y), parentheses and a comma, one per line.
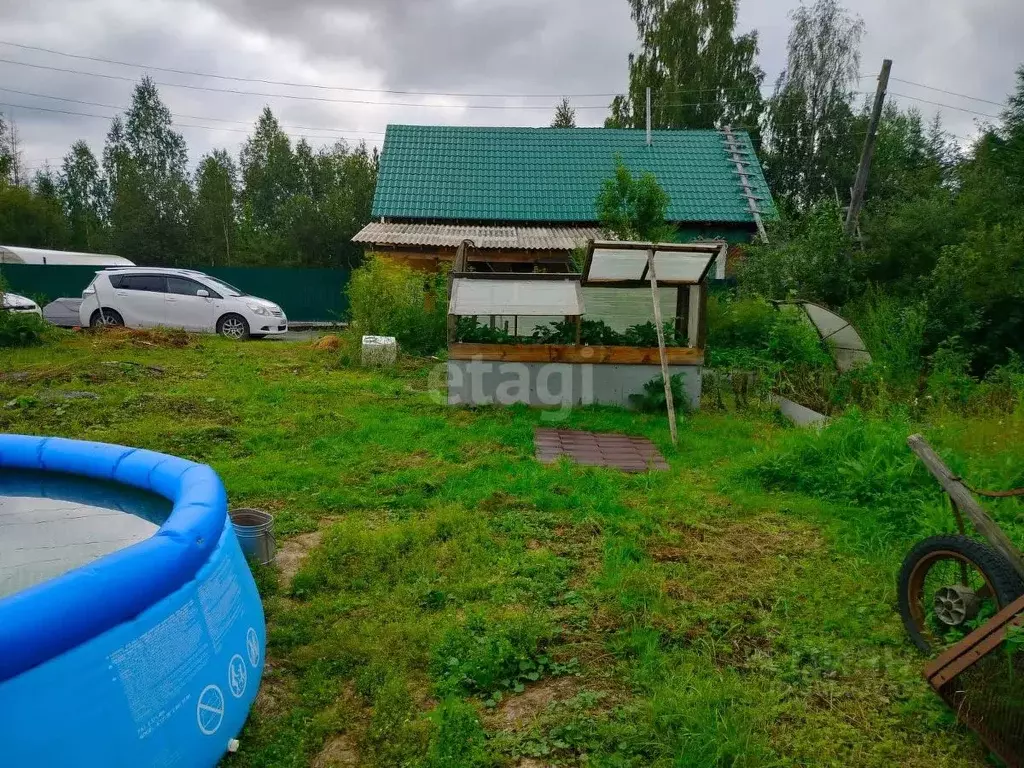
(950,93)
(186,117)
(319,86)
(945,106)
(176,125)
(293,96)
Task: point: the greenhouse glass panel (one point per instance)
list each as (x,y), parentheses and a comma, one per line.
(472,297)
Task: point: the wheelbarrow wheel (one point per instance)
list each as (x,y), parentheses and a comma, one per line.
(950,585)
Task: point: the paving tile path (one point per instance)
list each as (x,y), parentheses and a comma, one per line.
(630,454)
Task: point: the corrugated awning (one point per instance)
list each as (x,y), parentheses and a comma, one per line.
(538,298)
(484,237)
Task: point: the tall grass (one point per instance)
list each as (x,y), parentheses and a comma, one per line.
(859,463)
(893,331)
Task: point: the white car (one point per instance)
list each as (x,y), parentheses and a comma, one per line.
(141,297)
(15,303)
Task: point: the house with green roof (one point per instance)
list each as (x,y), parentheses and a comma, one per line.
(526,196)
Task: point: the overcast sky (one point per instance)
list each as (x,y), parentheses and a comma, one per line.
(546,47)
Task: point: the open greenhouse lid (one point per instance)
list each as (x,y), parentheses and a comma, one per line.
(624,264)
(846,345)
(536,295)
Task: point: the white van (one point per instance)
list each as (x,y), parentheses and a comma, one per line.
(142,297)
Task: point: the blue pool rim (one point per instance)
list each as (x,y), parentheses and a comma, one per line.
(48,619)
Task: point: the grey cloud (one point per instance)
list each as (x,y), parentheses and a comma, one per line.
(487,46)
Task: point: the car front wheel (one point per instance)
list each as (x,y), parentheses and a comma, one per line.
(233,327)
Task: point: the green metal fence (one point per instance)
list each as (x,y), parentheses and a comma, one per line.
(304,294)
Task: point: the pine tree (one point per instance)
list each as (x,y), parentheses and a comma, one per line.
(214,225)
(83,196)
(565,115)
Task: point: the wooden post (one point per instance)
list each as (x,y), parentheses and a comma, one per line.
(693,318)
(702,318)
(458,266)
(662,354)
(962,499)
(682,302)
(720,261)
(861,183)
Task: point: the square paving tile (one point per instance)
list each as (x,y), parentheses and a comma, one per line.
(630,454)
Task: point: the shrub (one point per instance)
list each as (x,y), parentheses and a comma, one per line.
(389,299)
(652,399)
(807,258)
(751,333)
(976,293)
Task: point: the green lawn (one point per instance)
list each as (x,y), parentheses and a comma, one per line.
(444,600)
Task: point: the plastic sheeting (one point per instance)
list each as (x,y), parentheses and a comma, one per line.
(473,297)
(845,343)
(669,267)
(11,254)
(626,262)
(52,523)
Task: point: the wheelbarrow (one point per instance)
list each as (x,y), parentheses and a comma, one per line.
(962,602)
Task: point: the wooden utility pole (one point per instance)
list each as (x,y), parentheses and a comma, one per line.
(861,183)
(661,348)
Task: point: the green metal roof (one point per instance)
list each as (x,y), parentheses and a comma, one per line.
(554,174)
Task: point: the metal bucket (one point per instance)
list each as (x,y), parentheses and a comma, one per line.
(254,529)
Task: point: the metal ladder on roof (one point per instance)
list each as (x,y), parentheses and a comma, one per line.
(740,155)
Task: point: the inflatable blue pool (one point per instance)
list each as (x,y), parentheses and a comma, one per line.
(131,631)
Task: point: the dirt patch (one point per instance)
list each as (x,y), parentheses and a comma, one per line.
(340,750)
(274,697)
(144,339)
(293,553)
(328,343)
(747,542)
(677,590)
(735,560)
(668,554)
(517,711)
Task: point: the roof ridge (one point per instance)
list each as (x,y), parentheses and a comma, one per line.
(546,129)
